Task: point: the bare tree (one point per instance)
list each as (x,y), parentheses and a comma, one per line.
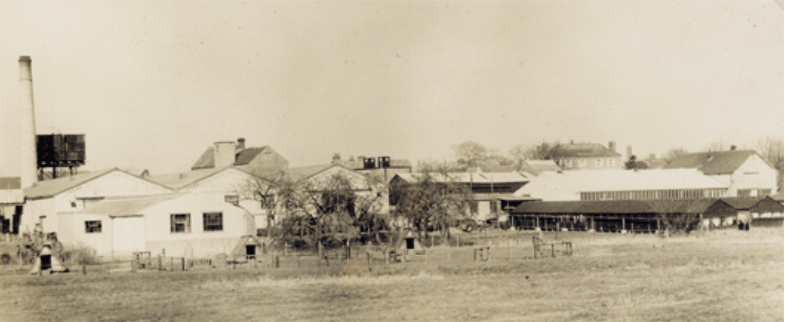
(545,151)
(771,150)
(716,146)
(471,153)
(674,153)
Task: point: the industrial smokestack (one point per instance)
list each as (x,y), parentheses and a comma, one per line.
(28,157)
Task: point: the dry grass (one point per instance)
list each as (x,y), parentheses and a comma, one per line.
(723,276)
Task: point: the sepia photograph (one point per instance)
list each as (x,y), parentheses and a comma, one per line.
(392,160)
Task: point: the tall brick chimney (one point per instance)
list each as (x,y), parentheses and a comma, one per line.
(28,157)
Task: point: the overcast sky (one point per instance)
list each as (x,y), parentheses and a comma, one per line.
(152,84)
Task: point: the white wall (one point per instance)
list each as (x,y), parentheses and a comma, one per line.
(128,235)
(236,223)
(753,174)
(116,183)
(71,232)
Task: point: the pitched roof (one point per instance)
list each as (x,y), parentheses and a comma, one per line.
(126,206)
(559,185)
(539,166)
(53,187)
(615,206)
(741,203)
(584,150)
(306,172)
(723,162)
(462,177)
(180,180)
(242,157)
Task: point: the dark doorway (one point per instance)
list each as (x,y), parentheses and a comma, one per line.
(250,251)
(46,262)
(410,243)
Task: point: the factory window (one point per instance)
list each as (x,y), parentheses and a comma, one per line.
(612,162)
(744,193)
(598,162)
(92,226)
(764,192)
(180,223)
(213,221)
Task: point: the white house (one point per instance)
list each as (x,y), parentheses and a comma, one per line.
(192,225)
(46,199)
(745,173)
(590,185)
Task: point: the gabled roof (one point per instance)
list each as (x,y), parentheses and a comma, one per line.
(180,180)
(242,157)
(126,206)
(302,173)
(742,203)
(50,188)
(585,150)
(723,162)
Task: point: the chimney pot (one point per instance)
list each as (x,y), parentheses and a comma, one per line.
(240,144)
(733,148)
(612,146)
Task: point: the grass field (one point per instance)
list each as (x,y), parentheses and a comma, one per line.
(722,276)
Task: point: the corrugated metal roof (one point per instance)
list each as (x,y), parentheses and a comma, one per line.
(53,187)
(126,206)
(615,206)
(566,185)
(723,162)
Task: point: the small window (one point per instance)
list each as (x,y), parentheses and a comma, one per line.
(582,163)
(92,226)
(232,199)
(764,192)
(180,223)
(213,221)
(744,193)
(612,162)
(598,162)
(73,204)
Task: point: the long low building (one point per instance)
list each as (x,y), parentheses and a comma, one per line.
(589,185)
(617,215)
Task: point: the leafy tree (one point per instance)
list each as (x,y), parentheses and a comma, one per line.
(328,210)
(434,202)
(545,151)
(634,164)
